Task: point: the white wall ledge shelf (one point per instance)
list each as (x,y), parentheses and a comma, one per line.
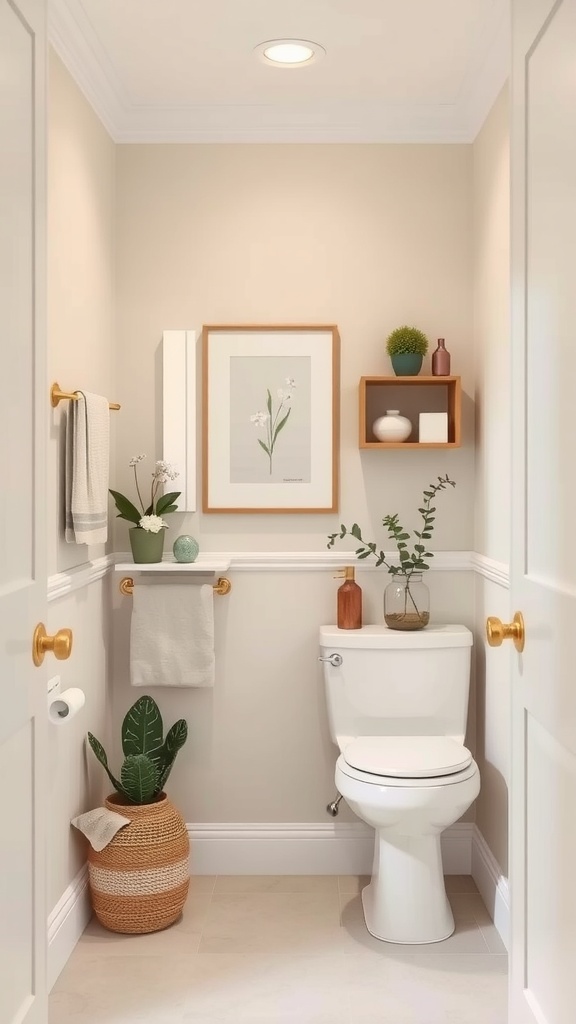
(202,566)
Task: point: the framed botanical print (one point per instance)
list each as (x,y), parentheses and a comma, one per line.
(270,418)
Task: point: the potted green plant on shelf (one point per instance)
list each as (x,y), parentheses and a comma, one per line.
(139,881)
(407,347)
(406,598)
(147,533)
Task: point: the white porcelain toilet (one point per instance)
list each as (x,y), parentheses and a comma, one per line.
(397,706)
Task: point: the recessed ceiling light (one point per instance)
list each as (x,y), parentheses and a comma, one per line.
(289,53)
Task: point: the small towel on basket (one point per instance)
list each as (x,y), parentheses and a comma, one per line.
(87,469)
(172,635)
(100,826)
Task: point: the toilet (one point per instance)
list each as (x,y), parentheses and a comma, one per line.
(397,706)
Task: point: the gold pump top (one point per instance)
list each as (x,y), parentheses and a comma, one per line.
(347,573)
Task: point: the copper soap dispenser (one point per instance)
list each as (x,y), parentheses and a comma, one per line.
(349,600)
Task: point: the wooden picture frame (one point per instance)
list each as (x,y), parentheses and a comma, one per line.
(270,418)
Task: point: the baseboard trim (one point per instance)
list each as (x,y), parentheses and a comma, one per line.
(66,924)
(492,885)
(304,849)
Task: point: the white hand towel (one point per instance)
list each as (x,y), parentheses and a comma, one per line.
(172,635)
(87,467)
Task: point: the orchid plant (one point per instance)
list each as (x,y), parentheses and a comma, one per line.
(149,516)
(274,419)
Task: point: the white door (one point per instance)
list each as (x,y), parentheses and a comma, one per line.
(23,428)
(543,797)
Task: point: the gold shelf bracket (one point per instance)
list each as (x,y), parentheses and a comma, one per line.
(57,396)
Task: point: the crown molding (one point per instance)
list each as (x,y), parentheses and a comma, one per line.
(80,51)
(78,46)
(486,82)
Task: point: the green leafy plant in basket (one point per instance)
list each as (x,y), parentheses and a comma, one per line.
(148,756)
(412,561)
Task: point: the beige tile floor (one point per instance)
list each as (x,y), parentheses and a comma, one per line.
(285,950)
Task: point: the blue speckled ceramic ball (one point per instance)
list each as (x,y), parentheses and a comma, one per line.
(185,549)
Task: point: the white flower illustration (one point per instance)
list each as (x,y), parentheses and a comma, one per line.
(136,460)
(259,419)
(274,420)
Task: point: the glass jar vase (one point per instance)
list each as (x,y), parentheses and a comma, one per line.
(407,603)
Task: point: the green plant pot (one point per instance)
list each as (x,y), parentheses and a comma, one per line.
(146,546)
(408,364)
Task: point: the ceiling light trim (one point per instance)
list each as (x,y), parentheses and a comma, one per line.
(315,52)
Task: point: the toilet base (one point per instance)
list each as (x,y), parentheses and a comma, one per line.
(406,900)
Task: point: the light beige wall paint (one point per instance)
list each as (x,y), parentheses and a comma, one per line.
(367,237)
(492,382)
(80,354)
(81,349)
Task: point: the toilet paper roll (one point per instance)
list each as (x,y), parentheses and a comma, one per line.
(63,706)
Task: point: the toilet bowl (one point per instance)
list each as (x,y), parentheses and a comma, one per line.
(403,766)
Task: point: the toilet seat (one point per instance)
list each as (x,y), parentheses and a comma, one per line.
(391,781)
(407,757)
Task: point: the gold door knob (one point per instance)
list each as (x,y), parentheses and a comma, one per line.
(60,645)
(497,631)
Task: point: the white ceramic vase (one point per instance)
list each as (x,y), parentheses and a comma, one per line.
(392,426)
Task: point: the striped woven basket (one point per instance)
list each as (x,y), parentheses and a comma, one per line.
(139,882)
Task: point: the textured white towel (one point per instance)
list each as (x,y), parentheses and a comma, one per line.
(172,635)
(100,826)
(87,467)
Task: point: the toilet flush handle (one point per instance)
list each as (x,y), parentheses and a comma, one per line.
(334,659)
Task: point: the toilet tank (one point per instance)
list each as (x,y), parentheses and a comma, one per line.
(395,683)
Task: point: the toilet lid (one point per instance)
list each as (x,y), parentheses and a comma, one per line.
(407,757)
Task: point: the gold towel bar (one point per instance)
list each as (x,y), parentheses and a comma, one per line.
(222,587)
(56,396)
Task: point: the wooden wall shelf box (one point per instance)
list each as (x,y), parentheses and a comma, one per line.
(411,395)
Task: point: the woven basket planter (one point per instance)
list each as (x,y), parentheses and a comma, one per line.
(139,882)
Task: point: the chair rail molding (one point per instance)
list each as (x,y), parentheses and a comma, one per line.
(62,583)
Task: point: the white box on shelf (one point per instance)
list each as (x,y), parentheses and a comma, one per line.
(433,428)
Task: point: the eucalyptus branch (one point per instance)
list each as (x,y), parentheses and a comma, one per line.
(411,561)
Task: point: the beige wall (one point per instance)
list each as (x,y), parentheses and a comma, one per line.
(80,354)
(81,344)
(367,237)
(492,485)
